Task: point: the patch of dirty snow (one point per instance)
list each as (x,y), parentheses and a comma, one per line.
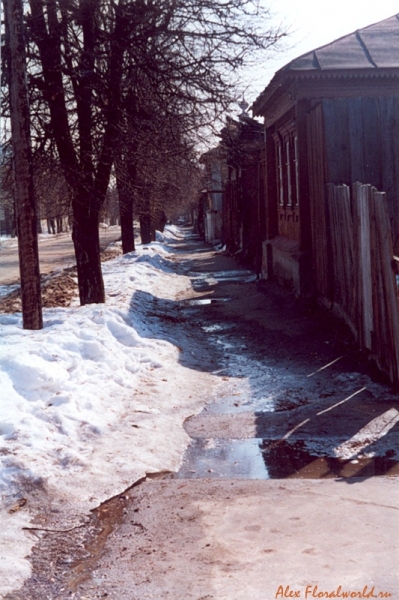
(89,404)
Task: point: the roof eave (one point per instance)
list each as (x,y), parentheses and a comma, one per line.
(284,79)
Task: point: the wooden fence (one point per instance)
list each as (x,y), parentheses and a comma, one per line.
(362,283)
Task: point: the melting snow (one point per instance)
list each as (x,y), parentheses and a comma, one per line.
(88,404)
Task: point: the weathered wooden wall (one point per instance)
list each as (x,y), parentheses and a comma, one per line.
(362,284)
(250,211)
(317,200)
(242,210)
(231,235)
(362,144)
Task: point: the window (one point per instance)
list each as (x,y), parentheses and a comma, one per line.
(296,169)
(288,171)
(280,178)
(286,181)
(287,164)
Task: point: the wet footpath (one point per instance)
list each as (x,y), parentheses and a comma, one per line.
(289,487)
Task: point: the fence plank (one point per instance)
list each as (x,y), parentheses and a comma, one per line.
(364,285)
(364,294)
(388,336)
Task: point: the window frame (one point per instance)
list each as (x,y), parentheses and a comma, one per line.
(287,166)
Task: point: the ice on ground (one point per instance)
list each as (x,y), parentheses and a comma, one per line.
(88,404)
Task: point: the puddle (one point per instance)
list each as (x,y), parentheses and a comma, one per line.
(264,459)
(232,275)
(221,459)
(203,301)
(206,280)
(215,327)
(254,379)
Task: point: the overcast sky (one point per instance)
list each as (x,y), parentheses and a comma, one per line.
(318,22)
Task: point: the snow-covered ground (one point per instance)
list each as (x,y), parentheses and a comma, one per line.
(92,402)
(7,289)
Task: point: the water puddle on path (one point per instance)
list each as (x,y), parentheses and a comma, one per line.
(264,459)
(203,301)
(257,377)
(202,282)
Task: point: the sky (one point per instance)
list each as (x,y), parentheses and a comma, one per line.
(315,23)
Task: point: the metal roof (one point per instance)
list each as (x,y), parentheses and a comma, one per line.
(375,46)
(369,52)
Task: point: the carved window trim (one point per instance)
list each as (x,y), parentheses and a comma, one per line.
(287,166)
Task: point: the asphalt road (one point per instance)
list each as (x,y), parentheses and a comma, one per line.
(54,252)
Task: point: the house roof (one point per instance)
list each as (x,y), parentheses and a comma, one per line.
(371,51)
(375,46)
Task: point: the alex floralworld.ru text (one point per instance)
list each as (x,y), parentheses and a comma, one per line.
(312,591)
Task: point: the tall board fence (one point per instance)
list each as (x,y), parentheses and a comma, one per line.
(362,283)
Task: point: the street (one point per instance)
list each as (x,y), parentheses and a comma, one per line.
(55,251)
(289,487)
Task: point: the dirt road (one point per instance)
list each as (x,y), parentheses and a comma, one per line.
(55,251)
(289,488)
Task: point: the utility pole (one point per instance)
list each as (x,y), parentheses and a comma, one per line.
(24,195)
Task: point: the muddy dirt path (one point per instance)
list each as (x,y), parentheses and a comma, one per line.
(289,487)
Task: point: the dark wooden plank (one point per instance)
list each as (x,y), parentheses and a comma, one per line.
(371,142)
(271,187)
(305,232)
(317,201)
(389,129)
(364,289)
(336,128)
(393,200)
(389,334)
(356,141)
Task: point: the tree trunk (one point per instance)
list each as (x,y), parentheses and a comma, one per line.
(126,205)
(24,195)
(86,239)
(50,226)
(145,228)
(126,214)
(162,220)
(146,220)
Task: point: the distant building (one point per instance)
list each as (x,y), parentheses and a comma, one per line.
(211,197)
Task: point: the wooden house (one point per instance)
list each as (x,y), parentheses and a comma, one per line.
(211,196)
(331,116)
(230,203)
(243,220)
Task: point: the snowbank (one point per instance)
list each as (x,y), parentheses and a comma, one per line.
(92,402)
(170,234)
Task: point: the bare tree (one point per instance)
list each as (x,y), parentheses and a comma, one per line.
(23,180)
(70,38)
(90,57)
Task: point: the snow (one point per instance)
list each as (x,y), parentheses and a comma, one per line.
(92,402)
(7,289)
